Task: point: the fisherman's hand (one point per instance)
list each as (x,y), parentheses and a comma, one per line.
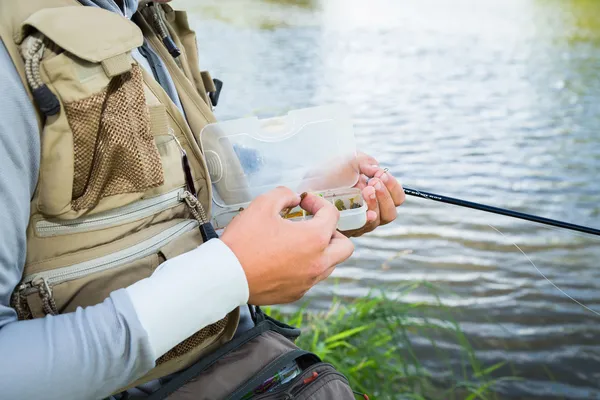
(283,259)
(382,193)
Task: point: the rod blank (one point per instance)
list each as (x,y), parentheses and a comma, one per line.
(501,211)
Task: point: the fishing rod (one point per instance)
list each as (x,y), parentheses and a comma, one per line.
(501,211)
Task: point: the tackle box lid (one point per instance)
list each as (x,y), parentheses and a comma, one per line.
(310,149)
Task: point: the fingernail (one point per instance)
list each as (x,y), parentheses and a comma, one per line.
(378,186)
(371,216)
(371,194)
(384,177)
(375,165)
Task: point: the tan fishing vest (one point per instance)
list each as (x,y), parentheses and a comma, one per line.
(112,200)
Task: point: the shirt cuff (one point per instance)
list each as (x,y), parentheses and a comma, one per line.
(187,293)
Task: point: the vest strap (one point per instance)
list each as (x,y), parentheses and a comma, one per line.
(159,124)
(118,64)
(213,87)
(207,81)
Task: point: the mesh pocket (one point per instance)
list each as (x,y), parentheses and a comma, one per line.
(114,148)
(195,340)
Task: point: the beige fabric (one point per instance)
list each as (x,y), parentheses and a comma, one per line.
(117,65)
(209,84)
(132,234)
(89,291)
(185,135)
(185,243)
(178,26)
(159,121)
(106,34)
(200,112)
(41,249)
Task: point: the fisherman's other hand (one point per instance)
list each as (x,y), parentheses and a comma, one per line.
(382,193)
(283,259)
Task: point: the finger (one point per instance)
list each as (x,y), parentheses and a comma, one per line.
(362,156)
(278,199)
(362,182)
(369,166)
(387,208)
(339,250)
(393,187)
(370,198)
(372,205)
(325,215)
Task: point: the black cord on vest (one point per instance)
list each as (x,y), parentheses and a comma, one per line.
(162,31)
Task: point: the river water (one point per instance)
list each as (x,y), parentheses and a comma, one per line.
(495,102)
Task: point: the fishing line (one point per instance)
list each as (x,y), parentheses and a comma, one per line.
(543,275)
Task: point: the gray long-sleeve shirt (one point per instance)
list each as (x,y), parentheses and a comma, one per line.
(78,355)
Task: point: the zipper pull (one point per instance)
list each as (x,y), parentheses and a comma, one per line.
(311,378)
(48,303)
(187,171)
(23,286)
(289,394)
(206,228)
(19,303)
(162,31)
(363,395)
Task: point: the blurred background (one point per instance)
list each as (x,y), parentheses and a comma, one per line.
(493,101)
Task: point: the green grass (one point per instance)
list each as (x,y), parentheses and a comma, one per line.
(371,340)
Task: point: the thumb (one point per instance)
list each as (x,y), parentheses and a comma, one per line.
(325,215)
(339,250)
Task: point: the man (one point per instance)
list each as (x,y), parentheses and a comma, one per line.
(94,351)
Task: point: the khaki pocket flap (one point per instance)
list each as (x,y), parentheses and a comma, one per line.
(90,33)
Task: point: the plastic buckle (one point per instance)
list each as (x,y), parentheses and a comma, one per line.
(171,47)
(214,96)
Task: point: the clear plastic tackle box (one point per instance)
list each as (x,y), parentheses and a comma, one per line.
(308,150)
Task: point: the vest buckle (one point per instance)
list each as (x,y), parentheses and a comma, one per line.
(214,96)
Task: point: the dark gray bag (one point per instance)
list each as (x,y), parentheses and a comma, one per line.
(251,359)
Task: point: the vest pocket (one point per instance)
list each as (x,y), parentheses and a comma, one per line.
(320,381)
(153,202)
(86,281)
(296,375)
(115,217)
(98,148)
(114,150)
